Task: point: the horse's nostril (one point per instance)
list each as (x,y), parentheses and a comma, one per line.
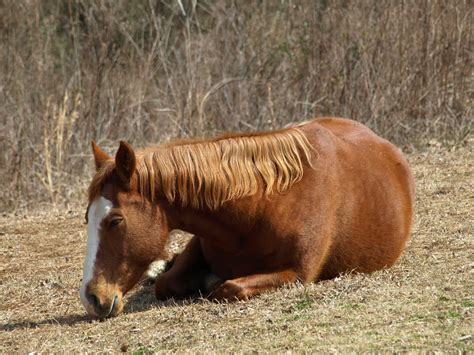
(94,300)
(102,308)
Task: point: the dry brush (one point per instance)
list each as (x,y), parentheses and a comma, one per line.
(150,70)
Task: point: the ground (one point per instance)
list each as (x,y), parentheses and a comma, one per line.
(425,302)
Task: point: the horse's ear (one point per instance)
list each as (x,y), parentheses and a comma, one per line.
(99,155)
(125,162)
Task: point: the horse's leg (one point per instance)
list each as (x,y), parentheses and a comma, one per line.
(187,273)
(249,286)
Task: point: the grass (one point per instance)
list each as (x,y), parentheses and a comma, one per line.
(424,303)
(147,71)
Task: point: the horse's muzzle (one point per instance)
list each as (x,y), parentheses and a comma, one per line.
(104,307)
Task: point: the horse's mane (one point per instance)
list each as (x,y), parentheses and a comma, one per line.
(206,173)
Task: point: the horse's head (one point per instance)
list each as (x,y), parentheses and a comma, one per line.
(125,233)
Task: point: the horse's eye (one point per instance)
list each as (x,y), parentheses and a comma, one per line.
(115,221)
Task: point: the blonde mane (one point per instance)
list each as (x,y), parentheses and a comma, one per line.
(207,173)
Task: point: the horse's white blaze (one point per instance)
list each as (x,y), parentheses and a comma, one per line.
(98,210)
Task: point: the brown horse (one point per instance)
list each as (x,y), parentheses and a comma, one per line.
(270,208)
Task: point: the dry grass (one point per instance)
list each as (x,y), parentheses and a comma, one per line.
(425,302)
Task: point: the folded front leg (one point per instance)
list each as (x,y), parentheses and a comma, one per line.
(187,274)
(249,286)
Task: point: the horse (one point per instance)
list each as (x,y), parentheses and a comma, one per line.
(299,204)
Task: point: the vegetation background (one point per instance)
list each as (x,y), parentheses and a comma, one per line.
(149,70)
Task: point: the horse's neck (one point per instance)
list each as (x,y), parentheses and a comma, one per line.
(222,227)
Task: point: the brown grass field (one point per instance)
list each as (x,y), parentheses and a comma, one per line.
(425,302)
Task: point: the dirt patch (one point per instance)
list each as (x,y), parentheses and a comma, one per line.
(425,302)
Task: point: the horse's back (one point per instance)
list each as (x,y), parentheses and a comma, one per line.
(362,141)
(372,191)
(357,143)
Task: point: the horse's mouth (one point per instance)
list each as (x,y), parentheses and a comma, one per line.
(113,307)
(113,310)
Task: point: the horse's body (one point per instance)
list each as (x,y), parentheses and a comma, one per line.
(346,204)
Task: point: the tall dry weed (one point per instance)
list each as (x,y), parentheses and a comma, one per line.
(149,70)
